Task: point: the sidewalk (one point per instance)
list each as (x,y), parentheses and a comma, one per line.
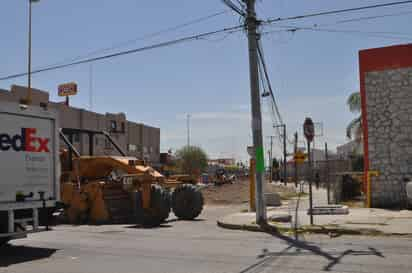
(362,221)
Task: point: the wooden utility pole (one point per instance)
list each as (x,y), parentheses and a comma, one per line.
(253,37)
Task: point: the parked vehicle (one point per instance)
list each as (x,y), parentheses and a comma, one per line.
(29,183)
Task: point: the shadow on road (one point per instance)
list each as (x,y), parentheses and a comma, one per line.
(305,248)
(10,254)
(149,228)
(179,220)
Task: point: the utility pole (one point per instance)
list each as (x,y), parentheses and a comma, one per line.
(188,129)
(284,151)
(253,37)
(327,172)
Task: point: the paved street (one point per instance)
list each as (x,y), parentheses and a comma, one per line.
(199,246)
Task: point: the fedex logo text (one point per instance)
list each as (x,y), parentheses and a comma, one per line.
(27,141)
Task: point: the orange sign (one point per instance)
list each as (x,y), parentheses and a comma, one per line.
(67,89)
(299,157)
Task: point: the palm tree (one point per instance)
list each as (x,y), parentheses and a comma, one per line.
(354,128)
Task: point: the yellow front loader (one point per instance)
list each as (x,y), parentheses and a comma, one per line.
(120,189)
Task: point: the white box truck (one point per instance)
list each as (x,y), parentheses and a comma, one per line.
(29,169)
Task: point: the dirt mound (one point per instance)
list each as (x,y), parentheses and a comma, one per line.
(238,193)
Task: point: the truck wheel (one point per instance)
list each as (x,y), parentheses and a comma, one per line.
(187,202)
(159,208)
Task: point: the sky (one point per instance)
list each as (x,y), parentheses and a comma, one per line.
(312,72)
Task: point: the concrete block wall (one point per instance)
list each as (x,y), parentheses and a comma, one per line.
(386,91)
(389,107)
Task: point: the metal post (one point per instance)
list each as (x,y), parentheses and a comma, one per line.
(11,221)
(35,219)
(327,172)
(296,164)
(271,160)
(284,155)
(310,185)
(29,92)
(91,87)
(188,130)
(256,112)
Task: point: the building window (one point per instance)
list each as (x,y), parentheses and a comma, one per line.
(107,144)
(122,126)
(113,126)
(132,148)
(76,137)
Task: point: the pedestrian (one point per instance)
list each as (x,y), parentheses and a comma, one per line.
(317,180)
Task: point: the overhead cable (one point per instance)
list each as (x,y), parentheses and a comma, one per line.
(141,38)
(331,12)
(131,51)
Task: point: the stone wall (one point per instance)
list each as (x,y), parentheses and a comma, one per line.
(389,116)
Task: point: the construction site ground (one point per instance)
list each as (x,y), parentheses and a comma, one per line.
(238,192)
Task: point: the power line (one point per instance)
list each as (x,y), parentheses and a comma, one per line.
(235,8)
(131,51)
(331,12)
(141,38)
(75,61)
(367,18)
(269,85)
(377,34)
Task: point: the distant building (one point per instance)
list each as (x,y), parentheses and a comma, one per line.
(349,149)
(135,139)
(222,161)
(319,154)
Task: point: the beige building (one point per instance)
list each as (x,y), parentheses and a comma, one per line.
(135,139)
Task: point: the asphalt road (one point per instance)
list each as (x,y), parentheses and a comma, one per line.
(201,247)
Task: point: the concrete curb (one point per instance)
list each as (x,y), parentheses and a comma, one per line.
(316,229)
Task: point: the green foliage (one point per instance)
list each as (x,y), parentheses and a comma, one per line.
(354,102)
(354,128)
(191,160)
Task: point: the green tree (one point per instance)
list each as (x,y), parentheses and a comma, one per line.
(354,128)
(191,160)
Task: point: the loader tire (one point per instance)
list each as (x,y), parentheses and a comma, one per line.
(187,202)
(159,208)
